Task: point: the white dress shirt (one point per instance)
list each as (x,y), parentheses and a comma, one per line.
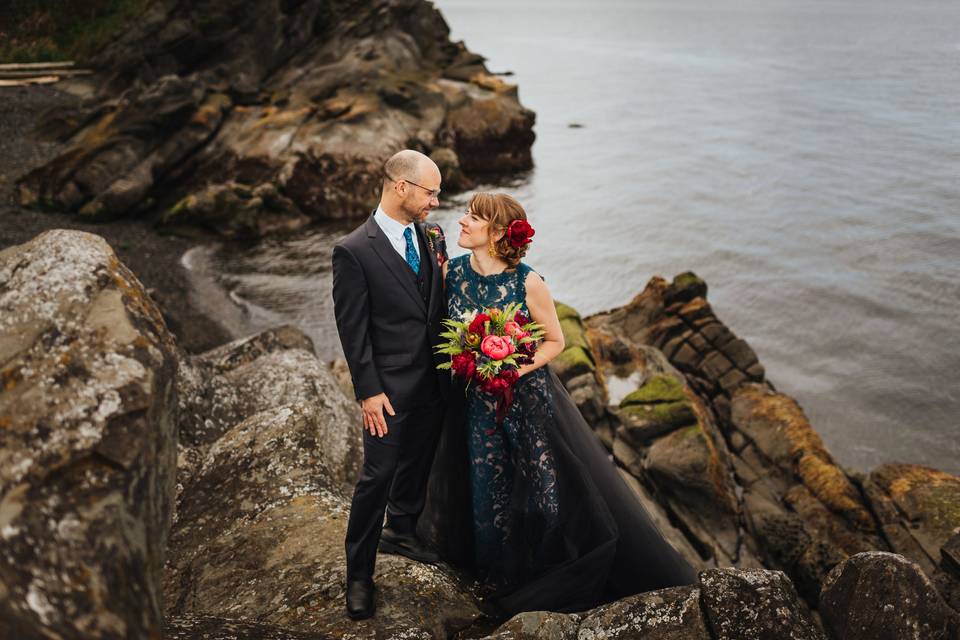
(394,233)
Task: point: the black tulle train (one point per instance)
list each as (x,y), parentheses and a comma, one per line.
(604,546)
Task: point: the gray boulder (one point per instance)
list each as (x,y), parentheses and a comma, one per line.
(727,604)
(538,625)
(274,368)
(884,596)
(665,614)
(88,443)
(261,522)
(756,604)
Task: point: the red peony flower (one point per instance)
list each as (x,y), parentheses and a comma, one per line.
(477,325)
(519,233)
(496,347)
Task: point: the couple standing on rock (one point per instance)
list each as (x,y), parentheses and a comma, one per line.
(530,505)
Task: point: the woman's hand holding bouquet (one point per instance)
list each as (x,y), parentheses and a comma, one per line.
(488,348)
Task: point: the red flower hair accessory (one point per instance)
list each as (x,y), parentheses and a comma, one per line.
(519,233)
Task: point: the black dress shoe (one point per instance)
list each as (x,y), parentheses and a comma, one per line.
(407,545)
(360,599)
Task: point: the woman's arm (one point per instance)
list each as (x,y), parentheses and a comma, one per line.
(543,311)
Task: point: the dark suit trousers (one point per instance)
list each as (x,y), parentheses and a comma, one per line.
(395,472)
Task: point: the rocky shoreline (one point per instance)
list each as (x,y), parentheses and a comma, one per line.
(145,491)
(161,478)
(248,120)
(211,127)
(154,257)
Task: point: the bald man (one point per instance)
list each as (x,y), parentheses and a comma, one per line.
(388,301)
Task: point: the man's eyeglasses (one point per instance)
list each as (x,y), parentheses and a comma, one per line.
(433,193)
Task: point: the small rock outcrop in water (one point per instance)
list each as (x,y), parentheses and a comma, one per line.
(250,118)
(88,443)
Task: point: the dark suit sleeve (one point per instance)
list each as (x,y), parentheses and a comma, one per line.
(351,308)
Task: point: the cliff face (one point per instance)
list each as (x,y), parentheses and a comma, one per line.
(250,118)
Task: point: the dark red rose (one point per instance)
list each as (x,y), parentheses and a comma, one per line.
(521,318)
(477,325)
(494,385)
(463,364)
(510,376)
(519,233)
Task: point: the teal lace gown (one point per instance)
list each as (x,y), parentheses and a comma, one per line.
(534,507)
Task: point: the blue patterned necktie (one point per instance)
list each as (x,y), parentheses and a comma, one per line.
(412,258)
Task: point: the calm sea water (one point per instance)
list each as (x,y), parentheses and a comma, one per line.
(803,157)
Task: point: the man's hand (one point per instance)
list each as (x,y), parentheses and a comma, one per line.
(373,419)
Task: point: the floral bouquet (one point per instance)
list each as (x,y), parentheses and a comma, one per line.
(488,347)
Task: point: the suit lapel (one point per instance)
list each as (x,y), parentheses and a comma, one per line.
(396,265)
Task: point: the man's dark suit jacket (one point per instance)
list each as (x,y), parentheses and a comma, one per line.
(387,329)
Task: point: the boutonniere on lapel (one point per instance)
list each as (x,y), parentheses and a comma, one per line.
(436,243)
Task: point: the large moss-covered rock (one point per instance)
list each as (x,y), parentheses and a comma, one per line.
(571,363)
(655,389)
(577,357)
(780,430)
(576,368)
(87,443)
(928,498)
(658,407)
(676,318)
(802,512)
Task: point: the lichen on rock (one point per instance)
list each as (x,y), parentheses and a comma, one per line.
(88,442)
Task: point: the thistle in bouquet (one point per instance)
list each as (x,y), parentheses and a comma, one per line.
(488,347)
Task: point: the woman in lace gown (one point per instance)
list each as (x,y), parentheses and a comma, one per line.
(534,506)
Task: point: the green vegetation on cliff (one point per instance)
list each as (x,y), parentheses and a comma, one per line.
(49,30)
